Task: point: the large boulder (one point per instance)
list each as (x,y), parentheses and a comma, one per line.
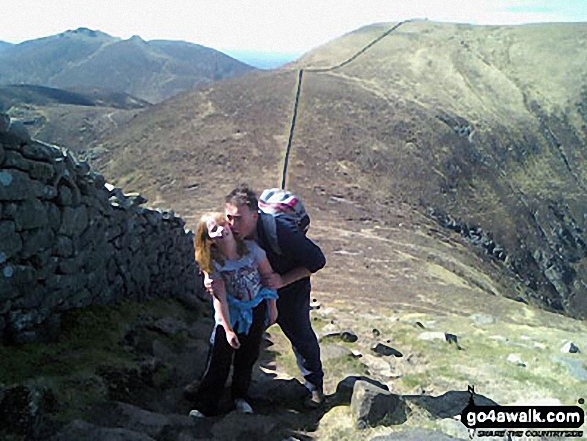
(373,406)
(344,389)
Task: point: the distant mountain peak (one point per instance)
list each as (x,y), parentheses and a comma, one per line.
(84,32)
(136,39)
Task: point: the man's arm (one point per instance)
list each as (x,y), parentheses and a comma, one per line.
(271,280)
(300,249)
(269,277)
(294,275)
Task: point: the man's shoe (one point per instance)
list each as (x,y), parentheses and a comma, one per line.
(242,406)
(315,399)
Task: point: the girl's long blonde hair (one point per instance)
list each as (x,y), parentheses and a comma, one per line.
(206,251)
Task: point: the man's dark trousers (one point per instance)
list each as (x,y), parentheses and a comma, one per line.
(293,307)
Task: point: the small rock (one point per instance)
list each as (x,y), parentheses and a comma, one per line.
(376,332)
(377,365)
(344,389)
(348,336)
(329,335)
(315,304)
(452,339)
(136,199)
(483,319)
(516,359)
(429,336)
(385,350)
(570,348)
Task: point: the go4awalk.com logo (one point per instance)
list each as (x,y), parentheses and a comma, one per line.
(529,421)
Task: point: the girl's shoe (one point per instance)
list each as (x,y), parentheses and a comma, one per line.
(196,414)
(242,406)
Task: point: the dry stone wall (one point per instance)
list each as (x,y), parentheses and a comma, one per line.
(68,240)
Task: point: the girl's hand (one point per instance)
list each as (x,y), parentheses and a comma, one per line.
(272,314)
(232,339)
(213,284)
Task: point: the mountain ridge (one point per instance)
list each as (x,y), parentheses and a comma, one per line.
(84,57)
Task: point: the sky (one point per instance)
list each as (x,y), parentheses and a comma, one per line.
(284,27)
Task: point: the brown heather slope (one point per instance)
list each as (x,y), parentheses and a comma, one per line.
(480,128)
(68,118)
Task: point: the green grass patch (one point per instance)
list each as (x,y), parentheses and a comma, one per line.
(90,337)
(93,341)
(342,367)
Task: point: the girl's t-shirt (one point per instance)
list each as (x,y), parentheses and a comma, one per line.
(241,277)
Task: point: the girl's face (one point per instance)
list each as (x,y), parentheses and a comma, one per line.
(218,230)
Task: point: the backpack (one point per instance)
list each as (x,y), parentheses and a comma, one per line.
(277,202)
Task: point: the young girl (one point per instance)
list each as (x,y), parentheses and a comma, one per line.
(241,305)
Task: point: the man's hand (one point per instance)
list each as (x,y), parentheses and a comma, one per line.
(213,284)
(272,280)
(232,339)
(272,314)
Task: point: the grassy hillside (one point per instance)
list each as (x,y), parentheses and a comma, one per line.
(487,126)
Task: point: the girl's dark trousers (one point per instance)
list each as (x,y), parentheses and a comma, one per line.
(220,358)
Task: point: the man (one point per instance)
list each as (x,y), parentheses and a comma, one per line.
(299,258)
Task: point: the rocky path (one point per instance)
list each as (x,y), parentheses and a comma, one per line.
(405,325)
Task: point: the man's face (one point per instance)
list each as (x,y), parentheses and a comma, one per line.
(242,220)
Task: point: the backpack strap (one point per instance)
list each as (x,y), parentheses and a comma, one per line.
(270,230)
